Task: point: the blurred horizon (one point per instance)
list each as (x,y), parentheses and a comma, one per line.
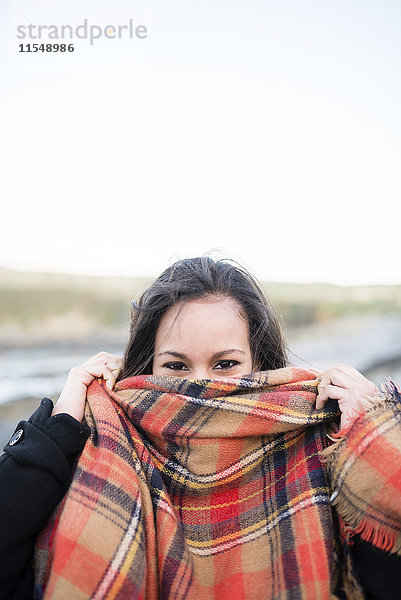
(152,274)
(45,307)
(10,270)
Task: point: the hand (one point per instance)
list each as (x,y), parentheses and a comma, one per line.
(73,396)
(349,387)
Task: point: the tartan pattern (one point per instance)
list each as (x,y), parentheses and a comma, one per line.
(365,470)
(197,490)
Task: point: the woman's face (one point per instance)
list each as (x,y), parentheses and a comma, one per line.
(205,338)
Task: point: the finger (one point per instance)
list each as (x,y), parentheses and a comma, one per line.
(329,391)
(323,387)
(336,378)
(346,370)
(113,366)
(103,371)
(105,355)
(110,381)
(360,387)
(113,358)
(346,377)
(98,359)
(109,377)
(114,362)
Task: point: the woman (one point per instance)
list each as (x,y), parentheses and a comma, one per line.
(198,501)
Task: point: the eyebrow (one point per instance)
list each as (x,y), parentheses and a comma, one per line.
(217,355)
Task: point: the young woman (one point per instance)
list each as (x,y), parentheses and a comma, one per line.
(203,322)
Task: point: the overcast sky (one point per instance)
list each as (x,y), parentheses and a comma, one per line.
(268,130)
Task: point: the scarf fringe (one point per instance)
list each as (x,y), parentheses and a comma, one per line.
(351,521)
(368,530)
(389,392)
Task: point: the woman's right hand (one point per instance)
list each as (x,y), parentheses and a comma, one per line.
(73,396)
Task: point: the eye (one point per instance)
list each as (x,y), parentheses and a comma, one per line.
(176,366)
(226,364)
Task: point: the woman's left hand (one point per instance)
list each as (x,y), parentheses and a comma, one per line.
(349,387)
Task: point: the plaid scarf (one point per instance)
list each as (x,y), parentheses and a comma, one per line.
(198,490)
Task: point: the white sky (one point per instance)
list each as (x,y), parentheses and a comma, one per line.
(267,129)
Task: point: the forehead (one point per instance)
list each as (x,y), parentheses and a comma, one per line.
(212,322)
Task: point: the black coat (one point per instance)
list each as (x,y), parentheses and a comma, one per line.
(35,472)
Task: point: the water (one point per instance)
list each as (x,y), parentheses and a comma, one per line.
(38,372)
(366,342)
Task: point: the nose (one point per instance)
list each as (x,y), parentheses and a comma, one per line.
(201,373)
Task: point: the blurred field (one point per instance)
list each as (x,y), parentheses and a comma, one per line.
(45,307)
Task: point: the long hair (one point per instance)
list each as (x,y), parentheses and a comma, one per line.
(194,278)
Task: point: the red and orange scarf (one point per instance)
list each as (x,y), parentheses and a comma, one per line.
(198,490)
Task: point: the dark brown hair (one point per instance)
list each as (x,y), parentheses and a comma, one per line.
(194,278)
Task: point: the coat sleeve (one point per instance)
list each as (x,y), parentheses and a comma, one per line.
(35,471)
(365,470)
